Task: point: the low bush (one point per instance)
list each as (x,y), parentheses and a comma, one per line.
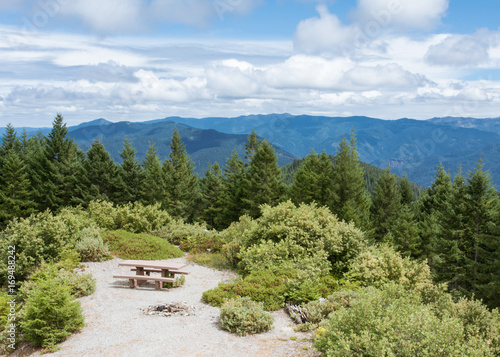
(377,266)
(190,237)
(80,284)
(143,246)
(137,218)
(179,281)
(103,213)
(91,247)
(244,316)
(394,321)
(318,310)
(285,254)
(262,286)
(40,237)
(51,314)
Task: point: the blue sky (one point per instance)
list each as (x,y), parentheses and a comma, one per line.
(146,59)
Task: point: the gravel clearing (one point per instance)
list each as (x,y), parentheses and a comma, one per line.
(117,326)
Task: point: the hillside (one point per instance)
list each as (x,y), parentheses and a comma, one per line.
(203,146)
(414,147)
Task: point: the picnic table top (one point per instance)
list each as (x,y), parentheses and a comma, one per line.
(152,264)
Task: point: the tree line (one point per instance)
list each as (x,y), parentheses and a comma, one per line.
(454,225)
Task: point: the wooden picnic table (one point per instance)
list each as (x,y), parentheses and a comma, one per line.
(144,268)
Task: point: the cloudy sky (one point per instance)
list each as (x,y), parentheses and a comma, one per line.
(146,59)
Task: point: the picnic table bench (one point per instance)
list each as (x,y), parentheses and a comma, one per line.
(144,268)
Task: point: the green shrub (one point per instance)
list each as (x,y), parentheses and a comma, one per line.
(236,237)
(80,284)
(103,213)
(76,220)
(143,246)
(179,281)
(394,321)
(137,218)
(285,254)
(263,286)
(318,310)
(244,316)
(286,233)
(190,237)
(51,314)
(40,237)
(377,266)
(91,247)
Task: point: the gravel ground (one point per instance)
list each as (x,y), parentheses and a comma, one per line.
(116,326)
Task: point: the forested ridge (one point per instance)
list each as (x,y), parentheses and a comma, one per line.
(451,230)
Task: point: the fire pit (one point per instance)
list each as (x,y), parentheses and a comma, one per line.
(171,309)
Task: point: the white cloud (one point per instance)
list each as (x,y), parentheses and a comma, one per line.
(118,16)
(405,14)
(462,50)
(372,20)
(323,34)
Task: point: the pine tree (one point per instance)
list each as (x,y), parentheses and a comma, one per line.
(130,176)
(313,181)
(351,202)
(451,244)
(100,173)
(15,193)
(153,188)
(405,233)
(211,189)
(407,196)
(385,207)
(233,187)
(61,166)
(264,184)
(181,183)
(251,146)
(482,201)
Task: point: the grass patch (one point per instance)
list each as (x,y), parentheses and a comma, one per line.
(210,260)
(142,246)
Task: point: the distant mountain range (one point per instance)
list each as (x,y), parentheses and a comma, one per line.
(414,147)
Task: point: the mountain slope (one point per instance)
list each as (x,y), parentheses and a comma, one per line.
(203,146)
(414,147)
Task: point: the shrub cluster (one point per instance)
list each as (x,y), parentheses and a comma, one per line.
(91,247)
(40,237)
(395,321)
(244,316)
(190,237)
(307,237)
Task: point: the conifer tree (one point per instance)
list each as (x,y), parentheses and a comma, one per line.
(351,202)
(450,246)
(15,193)
(482,201)
(407,196)
(233,189)
(181,183)
(58,177)
(100,173)
(264,184)
(313,181)
(153,188)
(211,189)
(130,177)
(385,207)
(251,146)
(405,233)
